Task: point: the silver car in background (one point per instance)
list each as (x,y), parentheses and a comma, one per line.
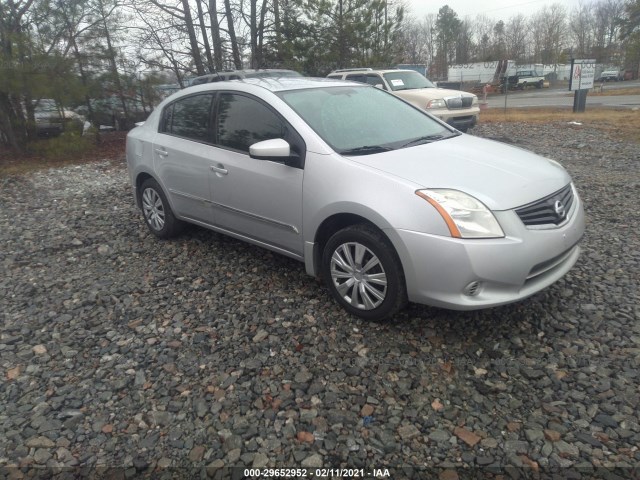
(383,201)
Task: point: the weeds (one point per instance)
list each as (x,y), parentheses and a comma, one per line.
(67,145)
(623,124)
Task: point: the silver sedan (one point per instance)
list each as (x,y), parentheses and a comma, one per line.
(385,202)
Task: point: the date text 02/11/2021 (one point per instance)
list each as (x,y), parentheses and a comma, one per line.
(259,473)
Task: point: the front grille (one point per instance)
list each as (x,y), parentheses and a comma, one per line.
(457,103)
(550,210)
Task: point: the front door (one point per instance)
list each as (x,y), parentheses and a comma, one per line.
(259,199)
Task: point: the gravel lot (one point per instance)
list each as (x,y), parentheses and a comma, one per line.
(120,350)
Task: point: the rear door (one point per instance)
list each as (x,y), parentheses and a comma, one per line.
(182,155)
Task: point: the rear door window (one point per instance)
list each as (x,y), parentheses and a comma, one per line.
(190,117)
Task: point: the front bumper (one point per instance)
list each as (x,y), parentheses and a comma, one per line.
(439,269)
(463,123)
(460,119)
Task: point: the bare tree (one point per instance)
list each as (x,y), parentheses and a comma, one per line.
(464,45)
(548,34)
(205,35)
(215,32)
(609,17)
(161,41)
(483,30)
(515,34)
(232,35)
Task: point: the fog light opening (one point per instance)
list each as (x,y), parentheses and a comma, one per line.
(472,289)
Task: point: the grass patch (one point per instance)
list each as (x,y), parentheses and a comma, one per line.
(611,91)
(67,149)
(67,145)
(623,124)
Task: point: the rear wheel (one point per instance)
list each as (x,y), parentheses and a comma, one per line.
(363,273)
(156,211)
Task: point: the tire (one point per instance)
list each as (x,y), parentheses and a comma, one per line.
(350,259)
(540,84)
(157,212)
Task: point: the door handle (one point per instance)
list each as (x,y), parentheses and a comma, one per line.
(161,152)
(221,170)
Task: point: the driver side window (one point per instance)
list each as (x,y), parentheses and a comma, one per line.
(242,121)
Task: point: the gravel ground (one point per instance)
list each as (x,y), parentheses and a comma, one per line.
(118,350)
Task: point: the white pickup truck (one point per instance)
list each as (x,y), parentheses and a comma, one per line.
(529,78)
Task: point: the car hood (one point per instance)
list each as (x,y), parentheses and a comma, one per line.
(499,175)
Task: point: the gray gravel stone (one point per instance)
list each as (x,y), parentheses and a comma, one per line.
(119,349)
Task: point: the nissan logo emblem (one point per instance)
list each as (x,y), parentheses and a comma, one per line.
(559,209)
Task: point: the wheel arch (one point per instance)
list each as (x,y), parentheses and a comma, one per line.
(142,176)
(336,222)
(139,180)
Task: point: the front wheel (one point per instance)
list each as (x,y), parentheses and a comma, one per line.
(363,273)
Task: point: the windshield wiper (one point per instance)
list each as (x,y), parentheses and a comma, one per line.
(428,139)
(365,150)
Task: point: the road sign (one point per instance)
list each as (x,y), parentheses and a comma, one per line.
(583,74)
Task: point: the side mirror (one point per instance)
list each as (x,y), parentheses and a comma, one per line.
(276,150)
(379,85)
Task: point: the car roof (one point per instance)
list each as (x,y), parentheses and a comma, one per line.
(370,70)
(245,72)
(272,84)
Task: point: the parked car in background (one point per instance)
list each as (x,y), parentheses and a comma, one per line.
(458,109)
(49,117)
(384,202)
(240,74)
(529,78)
(610,76)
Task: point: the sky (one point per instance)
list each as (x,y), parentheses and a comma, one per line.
(495,9)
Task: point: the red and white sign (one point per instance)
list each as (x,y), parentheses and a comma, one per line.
(583,74)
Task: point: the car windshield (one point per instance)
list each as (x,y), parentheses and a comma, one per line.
(356,120)
(407,80)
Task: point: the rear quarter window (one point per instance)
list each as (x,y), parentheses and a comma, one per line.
(189,117)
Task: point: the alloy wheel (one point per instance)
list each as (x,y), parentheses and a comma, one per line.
(153,209)
(358,276)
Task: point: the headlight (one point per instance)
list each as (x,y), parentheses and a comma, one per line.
(438,103)
(465,216)
(474,101)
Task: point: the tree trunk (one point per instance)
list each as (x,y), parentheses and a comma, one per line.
(232,36)
(341,36)
(253,32)
(215,31)
(205,37)
(193,41)
(260,46)
(112,62)
(84,80)
(278,30)
(8,125)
